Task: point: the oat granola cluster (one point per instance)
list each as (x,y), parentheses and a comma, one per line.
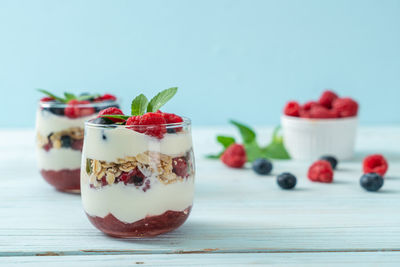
(71,137)
(165,168)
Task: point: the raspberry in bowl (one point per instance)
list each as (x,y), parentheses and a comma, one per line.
(327,126)
(137,175)
(59,135)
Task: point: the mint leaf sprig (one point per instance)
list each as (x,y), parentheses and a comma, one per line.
(68,96)
(274,150)
(140,104)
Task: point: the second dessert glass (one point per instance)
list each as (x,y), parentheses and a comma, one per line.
(134,184)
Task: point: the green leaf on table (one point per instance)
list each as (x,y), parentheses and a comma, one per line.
(139,105)
(62,100)
(253,151)
(276,149)
(248,135)
(225,140)
(161,99)
(214,156)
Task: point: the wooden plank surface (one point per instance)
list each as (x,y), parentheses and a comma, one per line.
(236,215)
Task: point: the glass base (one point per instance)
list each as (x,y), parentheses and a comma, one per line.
(147,227)
(63,180)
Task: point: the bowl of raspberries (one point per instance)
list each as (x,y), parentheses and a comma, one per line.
(325,126)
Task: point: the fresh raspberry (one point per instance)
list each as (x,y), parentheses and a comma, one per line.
(234,156)
(151,123)
(134,176)
(75,110)
(292,108)
(346,107)
(180,166)
(46,99)
(173,118)
(112,111)
(321,171)
(375,163)
(77,144)
(107,97)
(321,112)
(327,98)
(308,105)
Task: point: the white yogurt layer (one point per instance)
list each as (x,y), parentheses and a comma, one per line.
(129,204)
(47,122)
(109,144)
(58,159)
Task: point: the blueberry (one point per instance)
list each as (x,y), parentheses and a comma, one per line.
(138,181)
(371,181)
(171,130)
(55,110)
(286,180)
(102,120)
(262,166)
(331,159)
(66,141)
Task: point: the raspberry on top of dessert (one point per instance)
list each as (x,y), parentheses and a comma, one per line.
(328,106)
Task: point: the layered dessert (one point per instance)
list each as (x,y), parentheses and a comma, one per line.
(59,135)
(137,175)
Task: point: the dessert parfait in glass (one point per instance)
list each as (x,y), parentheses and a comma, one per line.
(137,175)
(59,135)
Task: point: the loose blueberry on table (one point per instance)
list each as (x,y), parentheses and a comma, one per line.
(60,122)
(286,180)
(137,178)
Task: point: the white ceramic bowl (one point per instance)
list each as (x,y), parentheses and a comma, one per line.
(307,139)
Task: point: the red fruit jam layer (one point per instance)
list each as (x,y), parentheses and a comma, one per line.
(149,226)
(63,180)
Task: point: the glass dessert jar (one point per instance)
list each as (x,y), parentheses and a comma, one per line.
(135,183)
(59,136)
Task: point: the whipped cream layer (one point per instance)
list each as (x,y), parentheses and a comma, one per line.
(47,122)
(129,204)
(58,159)
(109,144)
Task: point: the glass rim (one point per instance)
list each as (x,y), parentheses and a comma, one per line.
(54,104)
(186,122)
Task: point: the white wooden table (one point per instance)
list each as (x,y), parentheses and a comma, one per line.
(238,218)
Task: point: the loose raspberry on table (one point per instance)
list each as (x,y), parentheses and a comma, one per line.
(375,163)
(75,110)
(180,166)
(321,171)
(112,111)
(234,156)
(292,108)
(321,112)
(327,98)
(346,107)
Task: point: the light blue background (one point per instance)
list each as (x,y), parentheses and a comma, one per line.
(230,59)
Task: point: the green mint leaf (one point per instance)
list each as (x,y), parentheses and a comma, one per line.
(69,96)
(139,105)
(124,117)
(87,97)
(88,166)
(62,100)
(225,140)
(161,98)
(248,135)
(253,151)
(276,149)
(213,156)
